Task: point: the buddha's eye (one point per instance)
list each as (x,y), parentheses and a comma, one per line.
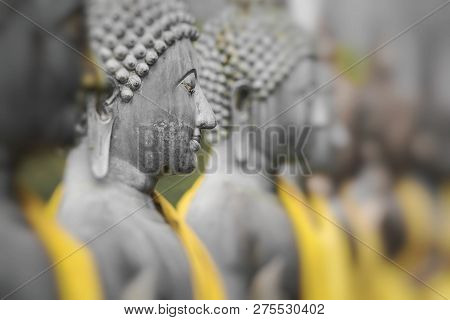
(189,83)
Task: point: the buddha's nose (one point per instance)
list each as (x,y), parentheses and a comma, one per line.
(205,118)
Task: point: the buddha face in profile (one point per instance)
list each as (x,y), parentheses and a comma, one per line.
(160,129)
(155,110)
(257,64)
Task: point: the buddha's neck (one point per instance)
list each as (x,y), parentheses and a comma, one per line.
(254,168)
(125,173)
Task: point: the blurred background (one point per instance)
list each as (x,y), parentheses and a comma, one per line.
(388,77)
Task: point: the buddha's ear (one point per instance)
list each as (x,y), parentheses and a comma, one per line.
(100,120)
(241,97)
(241,101)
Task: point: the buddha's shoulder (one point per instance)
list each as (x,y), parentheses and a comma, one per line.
(230,192)
(233,183)
(103,206)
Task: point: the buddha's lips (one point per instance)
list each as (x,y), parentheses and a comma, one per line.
(194,144)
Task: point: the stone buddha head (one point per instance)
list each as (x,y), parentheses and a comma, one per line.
(41,72)
(149,111)
(256,65)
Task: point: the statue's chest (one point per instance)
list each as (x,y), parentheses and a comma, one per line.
(163,246)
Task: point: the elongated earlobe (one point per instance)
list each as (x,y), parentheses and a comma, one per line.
(240,103)
(100,126)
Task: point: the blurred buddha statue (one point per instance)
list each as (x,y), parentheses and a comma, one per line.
(386,198)
(431,158)
(145,116)
(255,65)
(41,71)
(203,10)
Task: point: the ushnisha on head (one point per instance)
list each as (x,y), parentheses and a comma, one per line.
(252,45)
(129,37)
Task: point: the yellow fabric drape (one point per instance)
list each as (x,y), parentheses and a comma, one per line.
(324,251)
(206,280)
(440,278)
(72,264)
(444,221)
(417,207)
(376,276)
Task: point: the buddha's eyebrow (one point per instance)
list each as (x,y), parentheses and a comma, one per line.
(187,75)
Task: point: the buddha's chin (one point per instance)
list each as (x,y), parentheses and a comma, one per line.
(191,164)
(188,165)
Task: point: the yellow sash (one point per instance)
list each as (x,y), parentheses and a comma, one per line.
(72,264)
(324,251)
(440,279)
(417,207)
(444,221)
(375,275)
(206,279)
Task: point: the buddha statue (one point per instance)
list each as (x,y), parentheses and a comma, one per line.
(256,63)
(145,117)
(429,175)
(387,202)
(40,119)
